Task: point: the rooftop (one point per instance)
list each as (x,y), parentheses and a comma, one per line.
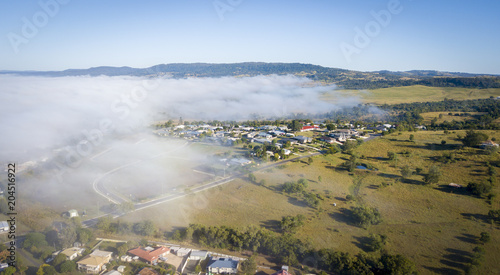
(223,263)
(148,253)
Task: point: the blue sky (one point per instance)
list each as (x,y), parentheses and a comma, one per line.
(437,35)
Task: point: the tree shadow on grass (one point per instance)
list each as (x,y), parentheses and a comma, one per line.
(297,202)
(273,225)
(361,243)
(468,238)
(453,190)
(456,258)
(476,217)
(442,270)
(344,215)
(340,199)
(389,176)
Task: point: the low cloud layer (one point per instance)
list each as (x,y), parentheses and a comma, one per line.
(39,113)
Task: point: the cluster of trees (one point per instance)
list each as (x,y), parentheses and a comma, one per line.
(311,199)
(295,187)
(473,138)
(290,224)
(365,216)
(142,228)
(42,245)
(293,251)
(260,151)
(408,114)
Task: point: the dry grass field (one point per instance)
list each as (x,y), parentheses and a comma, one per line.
(435,226)
(410,94)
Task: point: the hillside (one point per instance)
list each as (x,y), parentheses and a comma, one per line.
(347,79)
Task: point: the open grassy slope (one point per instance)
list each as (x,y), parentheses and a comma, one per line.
(436,226)
(417,93)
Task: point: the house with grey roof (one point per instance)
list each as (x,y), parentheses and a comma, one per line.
(223,265)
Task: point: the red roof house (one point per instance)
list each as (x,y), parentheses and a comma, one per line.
(148,254)
(282,272)
(309,128)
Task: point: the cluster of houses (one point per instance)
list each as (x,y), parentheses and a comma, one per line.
(264,134)
(96,261)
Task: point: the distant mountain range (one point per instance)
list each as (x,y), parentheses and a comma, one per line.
(345,78)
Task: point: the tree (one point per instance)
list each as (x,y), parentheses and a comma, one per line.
(197,269)
(376,242)
(122,249)
(310,160)
(350,164)
(397,264)
(67,266)
(84,235)
(473,138)
(412,137)
(34,239)
(104,223)
(249,266)
(484,237)
(290,223)
(67,236)
(392,155)
(365,216)
(349,146)
(59,259)
(9,270)
(406,172)
(295,125)
(478,189)
(49,270)
(252,177)
(433,176)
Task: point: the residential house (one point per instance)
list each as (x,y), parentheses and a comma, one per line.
(95,262)
(282,272)
(488,143)
(72,213)
(148,271)
(261,140)
(327,139)
(149,254)
(112,272)
(284,140)
(303,139)
(264,135)
(309,128)
(181,252)
(198,255)
(240,161)
(223,266)
(4,226)
(73,252)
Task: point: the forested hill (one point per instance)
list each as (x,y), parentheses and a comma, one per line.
(345,78)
